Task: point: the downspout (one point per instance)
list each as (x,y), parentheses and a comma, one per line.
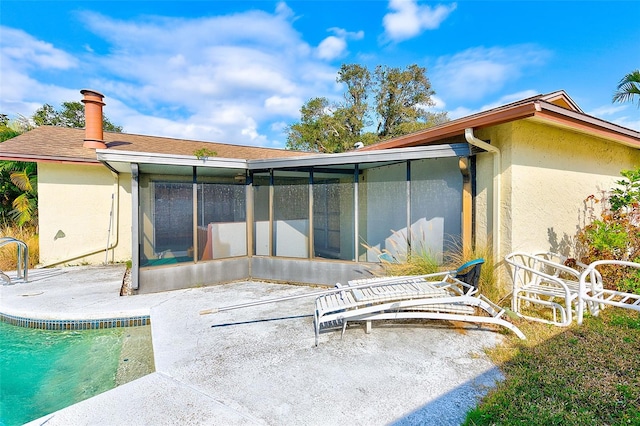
(114,219)
(497,171)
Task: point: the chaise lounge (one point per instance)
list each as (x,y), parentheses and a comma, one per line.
(451,296)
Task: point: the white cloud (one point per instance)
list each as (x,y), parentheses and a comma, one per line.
(407,19)
(477,72)
(22,56)
(279,126)
(331,47)
(22,50)
(335,46)
(438,103)
(221,78)
(284,105)
(607,110)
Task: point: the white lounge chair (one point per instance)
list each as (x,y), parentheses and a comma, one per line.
(545,282)
(601,297)
(440,296)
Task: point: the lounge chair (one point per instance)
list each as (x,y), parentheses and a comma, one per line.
(439,296)
(599,298)
(549,283)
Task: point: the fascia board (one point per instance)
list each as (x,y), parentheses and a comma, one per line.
(581,122)
(355,157)
(116,159)
(110,155)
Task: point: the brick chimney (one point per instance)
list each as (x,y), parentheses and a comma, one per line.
(93,137)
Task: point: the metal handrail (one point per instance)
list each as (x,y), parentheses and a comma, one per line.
(22,267)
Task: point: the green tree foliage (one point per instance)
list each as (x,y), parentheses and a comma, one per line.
(392,101)
(7,132)
(16,204)
(24,192)
(70,115)
(401,101)
(628,88)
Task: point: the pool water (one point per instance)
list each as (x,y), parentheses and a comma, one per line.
(44,371)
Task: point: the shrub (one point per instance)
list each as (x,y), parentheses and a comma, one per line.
(616,234)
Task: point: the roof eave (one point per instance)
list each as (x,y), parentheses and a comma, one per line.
(116,156)
(29,158)
(584,123)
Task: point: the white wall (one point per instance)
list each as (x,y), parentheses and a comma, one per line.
(75,205)
(547,173)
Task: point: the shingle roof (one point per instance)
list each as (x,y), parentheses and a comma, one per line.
(50,143)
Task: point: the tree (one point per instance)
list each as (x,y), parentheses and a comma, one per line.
(357,80)
(401,101)
(70,115)
(16,203)
(628,88)
(7,131)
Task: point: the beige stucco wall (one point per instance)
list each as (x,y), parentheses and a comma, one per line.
(75,203)
(547,173)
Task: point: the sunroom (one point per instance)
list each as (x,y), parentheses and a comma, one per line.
(312,219)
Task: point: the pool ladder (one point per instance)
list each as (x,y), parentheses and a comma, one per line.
(22,271)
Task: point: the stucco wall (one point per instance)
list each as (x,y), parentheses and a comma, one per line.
(547,172)
(75,203)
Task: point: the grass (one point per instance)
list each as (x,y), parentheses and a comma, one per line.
(8,253)
(581,375)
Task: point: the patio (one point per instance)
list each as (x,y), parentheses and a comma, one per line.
(259,365)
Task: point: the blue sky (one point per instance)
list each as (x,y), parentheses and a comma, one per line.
(238,72)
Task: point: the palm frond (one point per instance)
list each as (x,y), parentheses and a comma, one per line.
(23,209)
(22,180)
(628,88)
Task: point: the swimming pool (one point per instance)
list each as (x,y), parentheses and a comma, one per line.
(43,371)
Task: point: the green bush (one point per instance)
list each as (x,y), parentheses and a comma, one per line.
(616,234)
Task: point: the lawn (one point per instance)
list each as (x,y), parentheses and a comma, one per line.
(581,375)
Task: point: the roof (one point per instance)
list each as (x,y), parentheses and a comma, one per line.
(555,108)
(60,144)
(63,144)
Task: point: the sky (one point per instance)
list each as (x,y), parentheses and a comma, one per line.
(239,71)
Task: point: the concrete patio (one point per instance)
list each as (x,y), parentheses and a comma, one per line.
(259,365)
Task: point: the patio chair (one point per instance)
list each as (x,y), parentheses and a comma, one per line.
(543,281)
(439,296)
(599,298)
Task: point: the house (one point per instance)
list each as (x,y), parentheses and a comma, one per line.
(515,177)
